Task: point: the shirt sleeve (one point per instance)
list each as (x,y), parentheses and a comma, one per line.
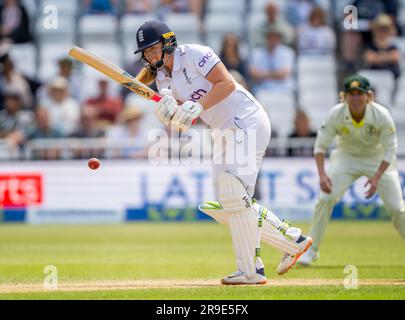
(388,138)
(325,134)
(204,59)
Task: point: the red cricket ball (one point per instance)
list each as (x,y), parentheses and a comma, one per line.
(94,163)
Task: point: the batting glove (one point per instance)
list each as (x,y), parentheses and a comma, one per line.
(167,107)
(186,114)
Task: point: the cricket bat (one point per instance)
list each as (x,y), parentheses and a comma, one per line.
(114,72)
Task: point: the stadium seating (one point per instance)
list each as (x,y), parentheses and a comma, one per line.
(64,31)
(49,54)
(185,26)
(217,26)
(254,21)
(382,81)
(280,106)
(127,29)
(100,28)
(24,57)
(317,87)
(65,8)
(228,6)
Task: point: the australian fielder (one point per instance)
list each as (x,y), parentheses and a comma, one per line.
(366,146)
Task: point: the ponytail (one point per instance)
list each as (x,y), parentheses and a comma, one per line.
(146,76)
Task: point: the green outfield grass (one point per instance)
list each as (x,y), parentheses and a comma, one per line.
(187,251)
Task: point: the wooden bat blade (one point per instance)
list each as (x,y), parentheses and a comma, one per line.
(114,72)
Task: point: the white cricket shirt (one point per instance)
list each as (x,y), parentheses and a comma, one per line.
(374,135)
(191,65)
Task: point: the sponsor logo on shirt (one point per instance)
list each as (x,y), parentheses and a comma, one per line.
(204,59)
(197,95)
(188,79)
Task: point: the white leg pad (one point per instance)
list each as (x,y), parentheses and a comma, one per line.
(217,214)
(242,220)
(268,234)
(275,238)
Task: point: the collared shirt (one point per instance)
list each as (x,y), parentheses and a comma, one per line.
(281,58)
(192,63)
(375,134)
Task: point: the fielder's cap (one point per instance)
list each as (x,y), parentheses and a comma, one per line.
(357,82)
(150,33)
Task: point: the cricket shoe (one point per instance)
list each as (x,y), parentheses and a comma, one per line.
(288,260)
(240,278)
(308,257)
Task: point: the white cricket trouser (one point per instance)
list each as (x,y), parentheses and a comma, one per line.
(241,153)
(344,170)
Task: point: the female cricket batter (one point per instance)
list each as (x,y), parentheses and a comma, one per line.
(194,76)
(366,146)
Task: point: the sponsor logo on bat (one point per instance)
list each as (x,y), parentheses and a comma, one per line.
(137,88)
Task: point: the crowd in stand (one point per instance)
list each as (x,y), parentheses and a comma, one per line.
(30,109)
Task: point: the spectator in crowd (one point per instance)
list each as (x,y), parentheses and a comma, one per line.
(88,128)
(383,54)
(231,57)
(15,122)
(272,65)
(12,80)
(147,107)
(354,41)
(100,6)
(167,6)
(275,20)
(63,109)
(302,129)
(14,22)
(44,130)
(316,37)
(138,6)
(128,129)
(107,106)
(66,70)
(298,11)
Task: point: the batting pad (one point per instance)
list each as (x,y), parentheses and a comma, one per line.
(214,210)
(269,233)
(277,240)
(241,218)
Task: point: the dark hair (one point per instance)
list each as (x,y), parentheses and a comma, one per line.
(318,12)
(225,39)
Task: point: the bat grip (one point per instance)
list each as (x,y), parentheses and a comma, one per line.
(156,98)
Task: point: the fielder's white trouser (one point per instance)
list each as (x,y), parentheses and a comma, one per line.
(344,170)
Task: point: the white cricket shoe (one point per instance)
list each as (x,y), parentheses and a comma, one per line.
(288,260)
(308,257)
(240,278)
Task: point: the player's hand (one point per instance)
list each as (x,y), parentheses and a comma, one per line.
(325,183)
(186,114)
(167,107)
(373,183)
